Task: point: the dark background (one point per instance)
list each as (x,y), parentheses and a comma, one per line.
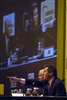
(19,7)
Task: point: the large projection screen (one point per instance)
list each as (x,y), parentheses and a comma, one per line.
(29,48)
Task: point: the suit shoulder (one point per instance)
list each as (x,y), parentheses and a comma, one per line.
(58,80)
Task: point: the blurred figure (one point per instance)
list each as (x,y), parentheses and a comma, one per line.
(34,31)
(41,75)
(10,46)
(11,49)
(41,78)
(8,30)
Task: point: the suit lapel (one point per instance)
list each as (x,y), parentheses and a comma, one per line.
(45,88)
(51,87)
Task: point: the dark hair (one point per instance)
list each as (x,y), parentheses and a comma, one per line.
(51,68)
(32,7)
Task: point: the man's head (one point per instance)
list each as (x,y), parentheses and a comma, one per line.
(40,74)
(34,14)
(8,27)
(49,72)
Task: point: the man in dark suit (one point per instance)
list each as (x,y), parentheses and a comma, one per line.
(5,39)
(52,85)
(8,41)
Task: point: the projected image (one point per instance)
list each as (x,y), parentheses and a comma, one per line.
(34,36)
(41,30)
(31,75)
(28,39)
(8,32)
(9,24)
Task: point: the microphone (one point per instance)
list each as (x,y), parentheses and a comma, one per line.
(49,35)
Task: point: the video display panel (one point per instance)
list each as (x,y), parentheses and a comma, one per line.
(28,32)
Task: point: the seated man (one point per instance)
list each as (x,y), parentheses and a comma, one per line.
(52,85)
